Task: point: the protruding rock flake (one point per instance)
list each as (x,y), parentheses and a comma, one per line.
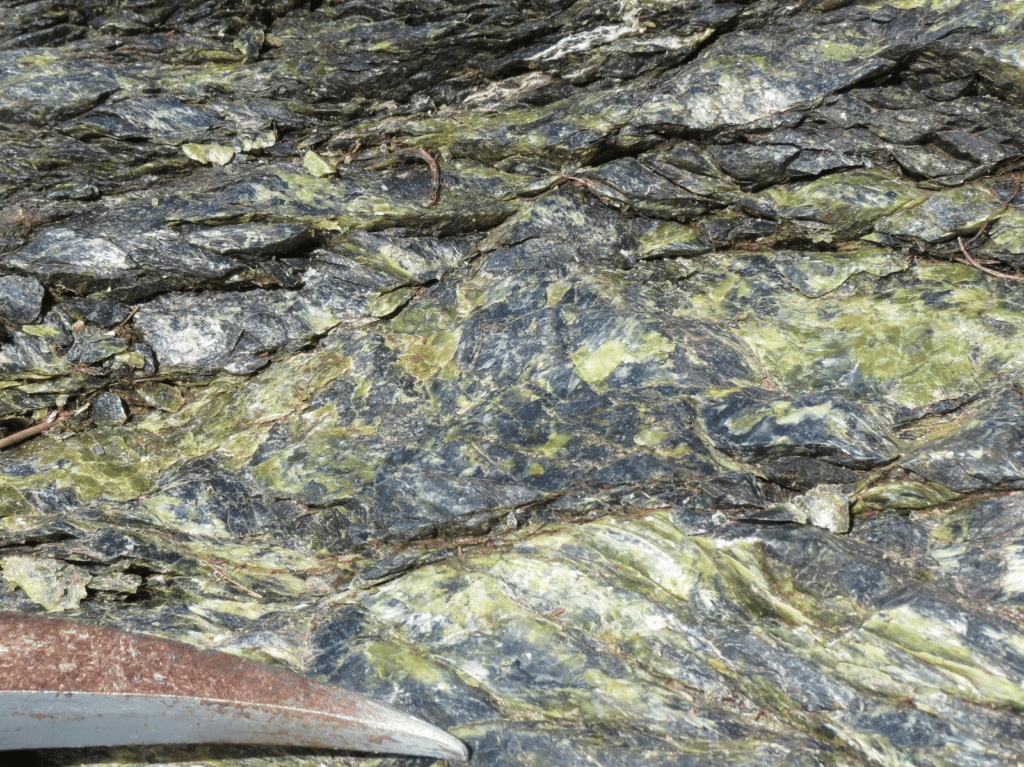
(607,383)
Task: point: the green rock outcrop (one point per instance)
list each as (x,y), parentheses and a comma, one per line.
(619,384)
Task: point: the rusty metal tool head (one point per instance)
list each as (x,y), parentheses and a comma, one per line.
(65,684)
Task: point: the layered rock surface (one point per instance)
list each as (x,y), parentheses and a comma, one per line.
(676,422)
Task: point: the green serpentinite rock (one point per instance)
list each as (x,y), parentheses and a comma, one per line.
(683,428)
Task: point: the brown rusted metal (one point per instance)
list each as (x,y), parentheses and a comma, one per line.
(66,659)
(38,428)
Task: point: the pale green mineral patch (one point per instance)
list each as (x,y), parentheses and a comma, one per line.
(594,365)
(54,585)
(317,165)
(215,154)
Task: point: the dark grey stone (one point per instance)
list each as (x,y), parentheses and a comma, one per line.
(108,410)
(21,299)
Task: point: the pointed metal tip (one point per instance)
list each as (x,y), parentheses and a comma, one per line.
(67,684)
(415,736)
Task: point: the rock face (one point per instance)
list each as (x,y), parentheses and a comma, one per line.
(524,364)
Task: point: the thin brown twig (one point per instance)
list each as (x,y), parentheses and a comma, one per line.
(416,153)
(219,571)
(131,314)
(972,261)
(31,431)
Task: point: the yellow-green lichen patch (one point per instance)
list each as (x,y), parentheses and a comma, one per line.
(41,331)
(651,436)
(555,443)
(556,291)
(595,365)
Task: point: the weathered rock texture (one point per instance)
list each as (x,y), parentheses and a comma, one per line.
(565,460)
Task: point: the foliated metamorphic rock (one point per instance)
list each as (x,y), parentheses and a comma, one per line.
(634,383)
